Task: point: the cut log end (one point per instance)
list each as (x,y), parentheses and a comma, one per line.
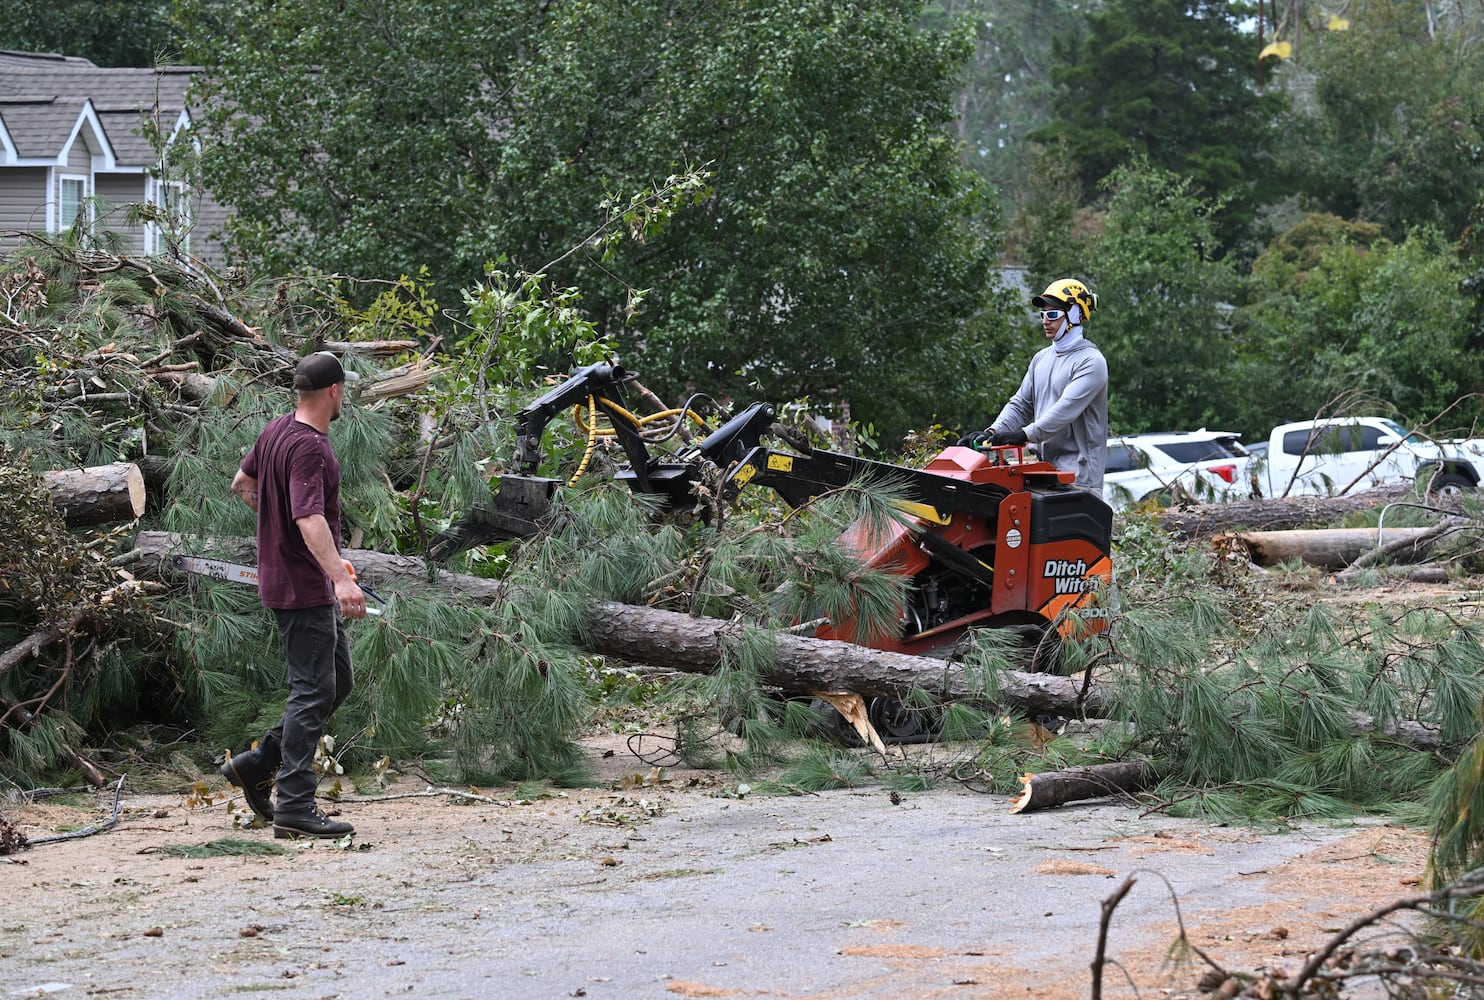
(102,494)
(1022,801)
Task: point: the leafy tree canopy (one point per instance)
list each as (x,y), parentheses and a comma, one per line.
(843,253)
(1335,308)
(108,32)
(1389,119)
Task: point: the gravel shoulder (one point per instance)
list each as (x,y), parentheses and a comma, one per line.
(659,886)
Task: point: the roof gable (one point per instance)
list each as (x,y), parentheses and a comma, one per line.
(43,131)
(122,99)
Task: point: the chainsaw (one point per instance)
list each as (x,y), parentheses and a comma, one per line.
(220,569)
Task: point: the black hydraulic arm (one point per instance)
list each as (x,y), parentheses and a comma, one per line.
(605,383)
(801,478)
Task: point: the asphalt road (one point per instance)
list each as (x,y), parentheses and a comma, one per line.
(662,892)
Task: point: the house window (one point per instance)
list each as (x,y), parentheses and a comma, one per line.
(73,202)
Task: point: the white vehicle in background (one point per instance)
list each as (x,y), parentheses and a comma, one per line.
(1330,456)
(1201,465)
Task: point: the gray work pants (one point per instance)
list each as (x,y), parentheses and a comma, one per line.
(319,674)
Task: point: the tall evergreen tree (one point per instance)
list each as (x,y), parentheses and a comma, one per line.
(1172,81)
(1160,320)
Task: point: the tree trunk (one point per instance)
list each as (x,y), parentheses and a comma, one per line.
(1330,548)
(1096,781)
(695,645)
(103,494)
(1282,513)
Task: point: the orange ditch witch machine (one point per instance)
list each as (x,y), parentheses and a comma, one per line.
(991,540)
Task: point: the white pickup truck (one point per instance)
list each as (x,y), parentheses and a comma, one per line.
(1326,457)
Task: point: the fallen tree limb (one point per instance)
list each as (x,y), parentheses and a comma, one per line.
(696,645)
(87,831)
(1411,549)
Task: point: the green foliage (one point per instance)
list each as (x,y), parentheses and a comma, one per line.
(54,588)
(1333,308)
(224,847)
(108,32)
(1008,91)
(1160,287)
(1170,81)
(477,133)
(378,174)
(1259,717)
(1389,119)
(820,768)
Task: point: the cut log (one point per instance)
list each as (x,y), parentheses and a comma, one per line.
(1075,784)
(1283,513)
(1329,548)
(102,494)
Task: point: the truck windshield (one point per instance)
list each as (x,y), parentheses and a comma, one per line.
(1392,427)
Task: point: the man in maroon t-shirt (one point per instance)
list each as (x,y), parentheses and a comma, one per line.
(292,479)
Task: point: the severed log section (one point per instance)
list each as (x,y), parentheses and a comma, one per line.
(1329,548)
(1283,513)
(101,494)
(1075,784)
(687,643)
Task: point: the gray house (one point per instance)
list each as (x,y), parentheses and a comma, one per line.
(79,138)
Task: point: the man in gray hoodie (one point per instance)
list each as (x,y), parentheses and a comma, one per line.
(1062,404)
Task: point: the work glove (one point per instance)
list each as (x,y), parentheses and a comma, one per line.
(1016,436)
(975,439)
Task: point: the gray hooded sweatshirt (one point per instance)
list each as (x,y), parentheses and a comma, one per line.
(1062,405)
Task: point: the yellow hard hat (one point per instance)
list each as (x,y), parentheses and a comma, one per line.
(1067,292)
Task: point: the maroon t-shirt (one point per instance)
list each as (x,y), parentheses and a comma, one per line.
(297,475)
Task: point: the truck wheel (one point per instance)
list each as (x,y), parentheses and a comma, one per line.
(1448,484)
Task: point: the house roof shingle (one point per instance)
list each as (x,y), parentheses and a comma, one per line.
(120,96)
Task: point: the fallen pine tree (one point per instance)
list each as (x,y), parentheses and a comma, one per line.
(685,642)
(693,644)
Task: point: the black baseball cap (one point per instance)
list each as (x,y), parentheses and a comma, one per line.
(319,370)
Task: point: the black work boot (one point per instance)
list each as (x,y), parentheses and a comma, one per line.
(253,771)
(309,822)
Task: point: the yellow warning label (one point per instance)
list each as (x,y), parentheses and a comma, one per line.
(781,463)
